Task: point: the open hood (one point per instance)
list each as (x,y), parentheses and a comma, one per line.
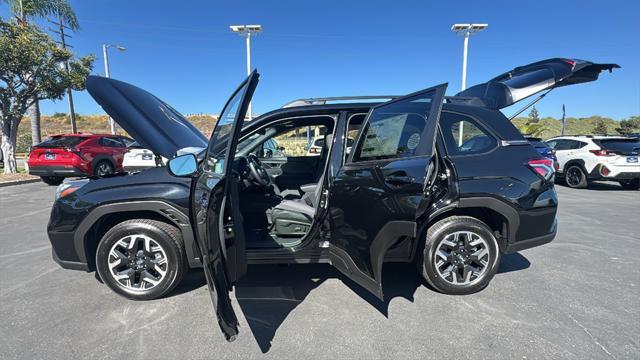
(150,121)
(524,81)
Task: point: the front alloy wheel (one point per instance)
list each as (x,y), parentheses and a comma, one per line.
(141,259)
(137,262)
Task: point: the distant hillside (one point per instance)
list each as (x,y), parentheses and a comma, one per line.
(53,125)
(575,126)
(59,124)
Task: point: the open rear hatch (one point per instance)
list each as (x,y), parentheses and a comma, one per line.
(520,83)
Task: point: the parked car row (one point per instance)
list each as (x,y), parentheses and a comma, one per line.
(94,155)
(411,189)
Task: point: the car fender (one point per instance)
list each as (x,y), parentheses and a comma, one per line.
(164,209)
(579,162)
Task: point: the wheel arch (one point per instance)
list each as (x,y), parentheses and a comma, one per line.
(98,158)
(579,162)
(501,218)
(101,219)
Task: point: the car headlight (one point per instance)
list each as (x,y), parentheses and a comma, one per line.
(68,188)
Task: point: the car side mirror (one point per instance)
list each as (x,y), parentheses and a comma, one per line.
(183,165)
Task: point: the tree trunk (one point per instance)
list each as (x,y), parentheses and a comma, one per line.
(34,114)
(8,147)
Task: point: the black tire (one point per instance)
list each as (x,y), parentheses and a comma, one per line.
(439,232)
(631,184)
(52,180)
(103,168)
(166,236)
(575,177)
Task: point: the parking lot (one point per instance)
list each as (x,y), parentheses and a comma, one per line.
(575,298)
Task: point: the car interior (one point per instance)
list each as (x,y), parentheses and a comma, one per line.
(280,183)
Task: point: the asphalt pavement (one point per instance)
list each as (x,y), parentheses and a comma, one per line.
(575,298)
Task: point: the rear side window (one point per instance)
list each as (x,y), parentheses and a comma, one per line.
(395,130)
(622,146)
(62,141)
(111,142)
(464,136)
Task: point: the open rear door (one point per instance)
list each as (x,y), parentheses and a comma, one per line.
(517,84)
(383,188)
(215,210)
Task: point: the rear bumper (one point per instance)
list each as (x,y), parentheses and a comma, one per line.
(533,242)
(53,170)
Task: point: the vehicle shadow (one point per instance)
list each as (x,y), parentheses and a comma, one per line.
(269,293)
(599,186)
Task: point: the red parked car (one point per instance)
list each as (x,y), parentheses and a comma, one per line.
(70,155)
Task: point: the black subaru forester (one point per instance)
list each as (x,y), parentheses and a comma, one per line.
(445,182)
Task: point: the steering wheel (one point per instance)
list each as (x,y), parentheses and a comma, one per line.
(257,173)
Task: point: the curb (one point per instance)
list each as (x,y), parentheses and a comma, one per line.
(18,182)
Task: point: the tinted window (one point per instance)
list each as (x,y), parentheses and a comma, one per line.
(622,146)
(62,141)
(395,130)
(463,136)
(110,142)
(563,145)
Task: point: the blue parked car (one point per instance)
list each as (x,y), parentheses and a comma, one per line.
(544,149)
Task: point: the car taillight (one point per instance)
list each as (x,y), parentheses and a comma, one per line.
(76,151)
(602,152)
(542,167)
(313,150)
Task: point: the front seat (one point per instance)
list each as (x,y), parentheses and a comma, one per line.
(293,217)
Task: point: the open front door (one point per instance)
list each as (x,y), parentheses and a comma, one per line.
(383,188)
(215,210)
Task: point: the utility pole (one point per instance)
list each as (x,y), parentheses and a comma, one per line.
(63,43)
(563,120)
(247,30)
(105,55)
(465,30)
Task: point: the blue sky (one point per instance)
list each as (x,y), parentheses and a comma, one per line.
(187,56)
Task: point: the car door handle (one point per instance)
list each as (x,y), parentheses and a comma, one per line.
(399,180)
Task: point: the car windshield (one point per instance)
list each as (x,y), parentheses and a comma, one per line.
(61,141)
(620,145)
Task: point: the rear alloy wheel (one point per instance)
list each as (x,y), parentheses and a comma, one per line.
(103,168)
(52,180)
(141,259)
(575,177)
(631,184)
(460,257)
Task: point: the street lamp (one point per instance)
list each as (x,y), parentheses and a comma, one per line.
(105,55)
(465,30)
(247,30)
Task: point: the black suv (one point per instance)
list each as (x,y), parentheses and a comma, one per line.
(446,183)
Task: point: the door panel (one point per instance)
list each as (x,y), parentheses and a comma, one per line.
(215,209)
(377,196)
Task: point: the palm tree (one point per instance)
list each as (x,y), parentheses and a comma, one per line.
(25,9)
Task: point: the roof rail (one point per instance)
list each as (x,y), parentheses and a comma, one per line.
(324,100)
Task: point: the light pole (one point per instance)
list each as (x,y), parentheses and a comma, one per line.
(247,30)
(105,55)
(465,30)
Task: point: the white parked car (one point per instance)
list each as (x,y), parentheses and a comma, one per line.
(584,158)
(137,158)
(315,147)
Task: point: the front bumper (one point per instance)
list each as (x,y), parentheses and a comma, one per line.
(55,170)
